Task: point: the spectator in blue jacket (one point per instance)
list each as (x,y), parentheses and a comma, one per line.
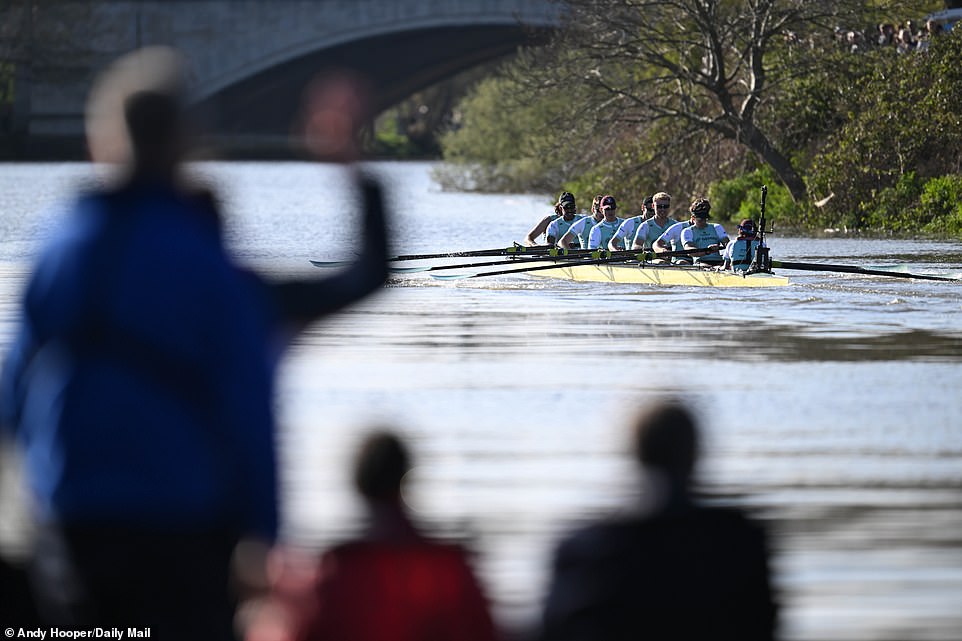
(140,383)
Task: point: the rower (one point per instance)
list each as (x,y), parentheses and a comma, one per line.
(651,230)
(702,235)
(560,225)
(738,255)
(602,232)
(626,232)
(670,241)
(531,240)
(577,234)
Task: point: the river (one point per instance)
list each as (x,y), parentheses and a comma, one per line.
(831,408)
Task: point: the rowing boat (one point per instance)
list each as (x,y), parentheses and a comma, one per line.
(661,275)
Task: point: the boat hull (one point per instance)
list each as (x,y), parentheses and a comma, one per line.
(661,275)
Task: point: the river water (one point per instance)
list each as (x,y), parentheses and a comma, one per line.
(831,408)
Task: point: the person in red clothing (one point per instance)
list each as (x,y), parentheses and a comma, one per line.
(392,582)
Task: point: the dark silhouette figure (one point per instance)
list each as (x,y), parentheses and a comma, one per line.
(392,582)
(140,385)
(675,570)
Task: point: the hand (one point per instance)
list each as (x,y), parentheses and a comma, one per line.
(336,108)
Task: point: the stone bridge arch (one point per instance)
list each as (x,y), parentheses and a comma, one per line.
(251,59)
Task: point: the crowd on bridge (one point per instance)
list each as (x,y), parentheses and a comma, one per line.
(904,37)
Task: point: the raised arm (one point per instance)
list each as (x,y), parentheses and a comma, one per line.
(337,107)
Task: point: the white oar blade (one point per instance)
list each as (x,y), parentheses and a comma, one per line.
(409,270)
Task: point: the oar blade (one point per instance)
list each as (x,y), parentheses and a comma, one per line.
(330,263)
(453,276)
(410,270)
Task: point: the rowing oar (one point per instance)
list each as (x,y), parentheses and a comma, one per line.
(851,269)
(501,251)
(556,254)
(433,268)
(605,257)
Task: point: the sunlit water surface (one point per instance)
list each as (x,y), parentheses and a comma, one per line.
(831,407)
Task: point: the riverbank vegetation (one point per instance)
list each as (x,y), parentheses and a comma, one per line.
(718,98)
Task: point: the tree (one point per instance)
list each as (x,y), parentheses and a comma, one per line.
(698,67)
(906,119)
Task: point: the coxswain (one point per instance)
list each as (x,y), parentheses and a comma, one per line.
(740,253)
(704,235)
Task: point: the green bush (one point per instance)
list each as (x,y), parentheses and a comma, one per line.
(896,208)
(941,205)
(740,197)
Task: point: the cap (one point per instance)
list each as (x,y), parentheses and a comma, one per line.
(700,208)
(565,198)
(608,202)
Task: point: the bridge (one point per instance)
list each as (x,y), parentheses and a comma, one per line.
(250,60)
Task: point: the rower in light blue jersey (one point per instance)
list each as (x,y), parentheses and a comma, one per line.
(626,232)
(577,234)
(565,199)
(602,232)
(558,227)
(670,241)
(738,254)
(653,228)
(704,235)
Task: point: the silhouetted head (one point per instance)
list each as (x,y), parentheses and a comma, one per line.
(136,112)
(156,129)
(666,440)
(381,464)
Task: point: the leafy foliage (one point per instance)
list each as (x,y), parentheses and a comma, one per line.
(740,198)
(906,118)
(721,97)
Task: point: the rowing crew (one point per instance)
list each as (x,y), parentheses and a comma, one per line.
(705,244)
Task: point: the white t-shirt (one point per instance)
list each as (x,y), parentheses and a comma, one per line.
(626,232)
(673,234)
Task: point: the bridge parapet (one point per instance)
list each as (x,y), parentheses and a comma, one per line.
(242,54)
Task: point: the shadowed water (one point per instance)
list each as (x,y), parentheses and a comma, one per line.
(831,406)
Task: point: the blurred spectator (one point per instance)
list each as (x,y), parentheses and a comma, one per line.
(886,34)
(905,41)
(854,41)
(930,31)
(140,384)
(672,570)
(391,583)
